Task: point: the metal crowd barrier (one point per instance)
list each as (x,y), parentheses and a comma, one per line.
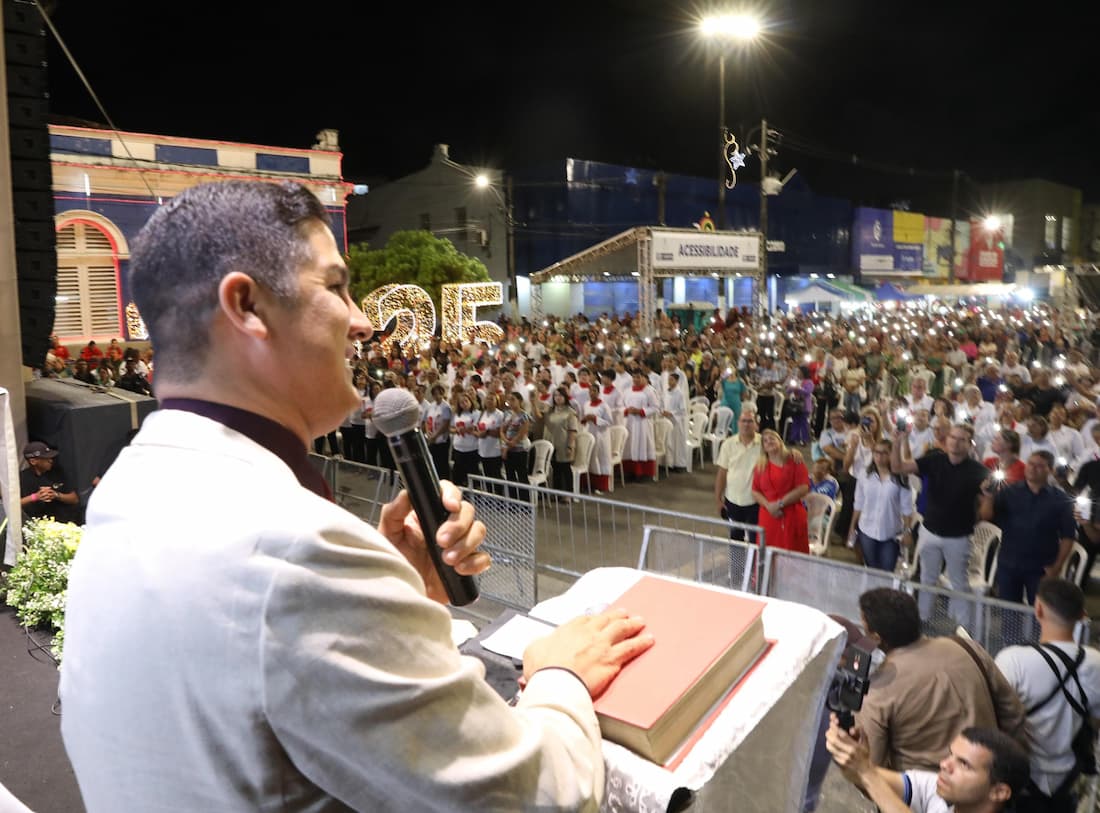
(835,587)
(543,540)
(551,538)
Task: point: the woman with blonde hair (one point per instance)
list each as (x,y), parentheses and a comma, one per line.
(779,483)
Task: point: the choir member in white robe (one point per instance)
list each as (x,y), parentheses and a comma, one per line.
(676,411)
(640,406)
(612,397)
(596,419)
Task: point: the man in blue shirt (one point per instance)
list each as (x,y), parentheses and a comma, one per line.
(1037,528)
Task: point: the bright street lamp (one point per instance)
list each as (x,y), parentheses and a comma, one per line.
(481,181)
(730,26)
(725,29)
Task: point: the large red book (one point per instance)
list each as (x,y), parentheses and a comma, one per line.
(704,641)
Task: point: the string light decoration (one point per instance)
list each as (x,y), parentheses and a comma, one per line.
(460,303)
(413,310)
(135,325)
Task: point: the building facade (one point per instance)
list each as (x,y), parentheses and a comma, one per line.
(445,199)
(107,184)
(561,208)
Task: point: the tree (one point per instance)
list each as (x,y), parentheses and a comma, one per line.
(411,258)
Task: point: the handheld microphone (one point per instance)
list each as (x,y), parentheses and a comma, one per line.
(397,416)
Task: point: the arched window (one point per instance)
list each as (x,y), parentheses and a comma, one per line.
(87,283)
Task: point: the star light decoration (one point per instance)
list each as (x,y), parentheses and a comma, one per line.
(735,159)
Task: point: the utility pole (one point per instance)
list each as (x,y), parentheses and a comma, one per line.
(721,140)
(954,203)
(661,180)
(513,288)
(759,289)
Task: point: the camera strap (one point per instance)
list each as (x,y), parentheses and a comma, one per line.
(1071,670)
(985,674)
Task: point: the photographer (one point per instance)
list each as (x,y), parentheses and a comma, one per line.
(1040,678)
(984,772)
(927,688)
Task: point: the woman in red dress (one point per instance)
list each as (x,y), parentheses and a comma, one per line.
(778,486)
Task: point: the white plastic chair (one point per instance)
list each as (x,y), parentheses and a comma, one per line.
(1074,568)
(777,412)
(582,456)
(697,426)
(985,543)
(619,435)
(718,430)
(662,428)
(700,399)
(820,514)
(700,409)
(540,469)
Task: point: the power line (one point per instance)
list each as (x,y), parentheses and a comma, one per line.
(91,92)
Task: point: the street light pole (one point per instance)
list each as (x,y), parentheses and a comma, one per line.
(759,292)
(504,203)
(726,28)
(513,288)
(721,139)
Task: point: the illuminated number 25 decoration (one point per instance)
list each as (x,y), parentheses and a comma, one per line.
(413,309)
(414,312)
(460,303)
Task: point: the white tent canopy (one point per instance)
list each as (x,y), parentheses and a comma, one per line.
(964,289)
(651,252)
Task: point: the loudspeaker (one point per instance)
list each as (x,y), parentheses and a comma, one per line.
(32,180)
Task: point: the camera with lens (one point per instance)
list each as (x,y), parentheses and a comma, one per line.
(850,684)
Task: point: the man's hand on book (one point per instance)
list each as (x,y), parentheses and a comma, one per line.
(593,647)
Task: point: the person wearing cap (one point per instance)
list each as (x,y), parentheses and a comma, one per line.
(234,639)
(45,490)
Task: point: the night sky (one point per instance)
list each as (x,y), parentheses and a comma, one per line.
(913,90)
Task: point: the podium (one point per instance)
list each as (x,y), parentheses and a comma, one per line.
(758,749)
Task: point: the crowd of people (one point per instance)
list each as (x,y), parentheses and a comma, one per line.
(122,367)
(921,421)
(916,425)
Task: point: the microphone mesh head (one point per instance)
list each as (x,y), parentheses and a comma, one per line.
(396,412)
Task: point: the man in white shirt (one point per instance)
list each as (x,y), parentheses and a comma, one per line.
(534,350)
(984,772)
(240,671)
(1037,438)
(737,458)
(918,397)
(921,437)
(1052,721)
(1012,367)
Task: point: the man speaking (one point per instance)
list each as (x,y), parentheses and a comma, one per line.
(236,641)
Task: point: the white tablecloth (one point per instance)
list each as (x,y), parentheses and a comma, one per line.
(756,754)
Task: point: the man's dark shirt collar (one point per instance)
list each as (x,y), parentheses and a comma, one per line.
(273,436)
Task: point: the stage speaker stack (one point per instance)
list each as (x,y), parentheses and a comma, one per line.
(32,188)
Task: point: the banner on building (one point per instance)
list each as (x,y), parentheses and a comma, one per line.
(937,247)
(705,251)
(987,253)
(888,242)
